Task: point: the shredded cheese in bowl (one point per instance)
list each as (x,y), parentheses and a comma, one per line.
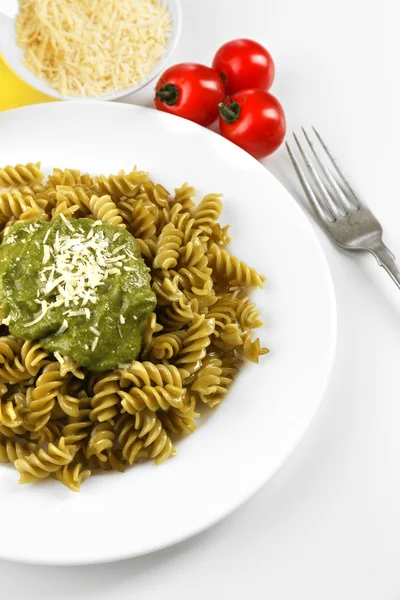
(92,47)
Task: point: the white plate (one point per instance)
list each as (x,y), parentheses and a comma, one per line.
(269,407)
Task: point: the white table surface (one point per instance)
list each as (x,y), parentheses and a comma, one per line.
(328,525)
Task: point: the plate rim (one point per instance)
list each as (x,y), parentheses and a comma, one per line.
(333,324)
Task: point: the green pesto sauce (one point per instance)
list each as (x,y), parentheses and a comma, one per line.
(105,266)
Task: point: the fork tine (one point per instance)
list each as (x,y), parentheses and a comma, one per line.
(315,203)
(318,182)
(341,174)
(341,198)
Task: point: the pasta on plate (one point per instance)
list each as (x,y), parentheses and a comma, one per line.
(61,420)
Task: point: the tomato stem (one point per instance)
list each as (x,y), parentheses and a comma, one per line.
(229,111)
(168,94)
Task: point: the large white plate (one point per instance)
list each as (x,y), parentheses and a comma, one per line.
(269,407)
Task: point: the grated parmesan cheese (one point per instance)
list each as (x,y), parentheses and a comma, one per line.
(59,357)
(92,48)
(40,315)
(80,265)
(63,327)
(46,254)
(75,263)
(67,223)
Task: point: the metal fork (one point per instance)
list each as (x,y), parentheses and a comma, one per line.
(347,220)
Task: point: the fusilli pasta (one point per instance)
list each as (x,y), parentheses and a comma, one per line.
(20,174)
(62,421)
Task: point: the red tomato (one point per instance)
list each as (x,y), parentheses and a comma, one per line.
(244,64)
(253,120)
(191,91)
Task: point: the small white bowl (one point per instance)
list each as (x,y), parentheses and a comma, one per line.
(13,55)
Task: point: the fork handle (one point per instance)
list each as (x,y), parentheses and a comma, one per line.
(386,260)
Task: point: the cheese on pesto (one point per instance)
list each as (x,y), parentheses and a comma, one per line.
(79,286)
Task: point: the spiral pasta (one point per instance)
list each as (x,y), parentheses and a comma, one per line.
(104,209)
(180,313)
(231,270)
(155,193)
(251,349)
(150,328)
(166,346)
(148,249)
(154,397)
(20,174)
(197,280)
(41,463)
(185,197)
(141,221)
(166,290)
(51,432)
(168,245)
(69,365)
(101,441)
(147,373)
(219,235)
(207,213)
(193,255)
(224,313)
(247,315)
(24,207)
(156,438)
(68,177)
(34,357)
(183,221)
(179,422)
(77,429)
(12,369)
(73,476)
(41,397)
(123,184)
(68,404)
(105,398)
(35,189)
(127,437)
(72,196)
(11,451)
(63,207)
(207,378)
(9,416)
(214,378)
(60,421)
(195,343)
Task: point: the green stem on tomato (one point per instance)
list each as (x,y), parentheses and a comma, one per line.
(229,112)
(168,94)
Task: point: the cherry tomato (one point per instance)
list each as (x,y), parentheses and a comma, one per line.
(244,64)
(191,91)
(253,120)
